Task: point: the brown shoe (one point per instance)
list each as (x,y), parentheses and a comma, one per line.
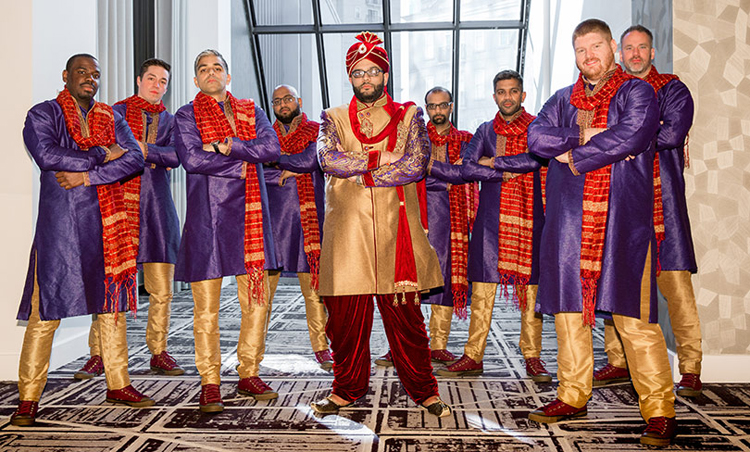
(256,388)
(327,406)
(164,364)
(129,396)
(25,414)
(443,357)
(463,367)
(385,360)
(609,375)
(536,371)
(324,359)
(93,368)
(659,432)
(210,401)
(690,386)
(439,408)
(557,411)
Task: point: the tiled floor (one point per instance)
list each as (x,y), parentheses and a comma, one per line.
(489,411)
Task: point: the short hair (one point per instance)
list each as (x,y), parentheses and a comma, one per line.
(640,28)
(507,74)
(438,89)
(208,52)
(69,64)
(154,62)
(590,26)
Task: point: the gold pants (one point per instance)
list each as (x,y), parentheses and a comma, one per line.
(37,348)
(645,350)
(315,309)
(251,345)
(440,326)
(530,341)
(683,315)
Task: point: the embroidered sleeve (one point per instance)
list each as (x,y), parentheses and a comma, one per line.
(332,161)
(572,165)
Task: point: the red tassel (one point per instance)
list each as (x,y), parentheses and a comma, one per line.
(459,302)
(589,300)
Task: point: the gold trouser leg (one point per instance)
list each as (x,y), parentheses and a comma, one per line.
(35,352)
(575,358)
(531,326)
(482,302)
(440,326)
(683,314)
(315,311)
(613,345)
(94,341)
(206,295)
(157,279)
(113,342)
(255,316)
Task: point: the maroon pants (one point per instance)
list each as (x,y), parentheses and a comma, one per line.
(349,326)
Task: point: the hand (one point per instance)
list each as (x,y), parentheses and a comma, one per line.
(144,148)
(629,158)
(285,174)
(591,132)
(564,157)
(390,157)
(68,179)
(486,161)
(340,148)
(115,152)
(460,161)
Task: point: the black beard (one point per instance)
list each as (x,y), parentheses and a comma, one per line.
(439,120)
(368,99)
(515,110)
(287,119)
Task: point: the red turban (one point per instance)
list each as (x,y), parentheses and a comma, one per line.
(367,49)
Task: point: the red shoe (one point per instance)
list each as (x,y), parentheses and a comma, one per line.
(535,369)
(385,360)
(211,399)
(93,368)
(254,387)
(324,359)
(557,411)
(25,414)
(690,386)
(659,432)
(610,374)
(163,363)
(464,366)
(129,396)
(443,357)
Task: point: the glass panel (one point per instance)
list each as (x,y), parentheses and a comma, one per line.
(336,45)
(292,60)
(490,10)
(421,11)
(351,11)
(484,53)
(283,12)
(420,61)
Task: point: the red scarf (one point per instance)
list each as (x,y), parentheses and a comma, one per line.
(592,112)
(214,125)
(459,197)
(117,239)
(516,222)
(405,267)
(294,142)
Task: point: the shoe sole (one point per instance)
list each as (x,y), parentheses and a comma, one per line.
(651,441)
(141,404)
(447,363)
(460,373)
(171,373)
(326,366)
(541,418)
(540,378)
(212,408)
(22,422)
(613,381)
(318,410)
(84,376)
(382,363)
(264,396)
(689,392)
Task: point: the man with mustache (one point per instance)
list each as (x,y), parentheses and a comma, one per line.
(78,266)
(676,255)
(504,248)
(598,242)
(374,150)
(222,142)
(295,195)
(154,218)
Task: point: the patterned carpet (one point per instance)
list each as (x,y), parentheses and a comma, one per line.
(490,410)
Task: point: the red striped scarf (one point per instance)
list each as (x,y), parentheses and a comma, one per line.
(214,125)
(117,239)
(593,108)
(459,198)
(296,140)
(516,222)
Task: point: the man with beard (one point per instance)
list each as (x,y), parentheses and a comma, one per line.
(599,232)
(295,196)
(504,247)
(676,255)
(222,142)
(374,246)
(78,266)
(154,220)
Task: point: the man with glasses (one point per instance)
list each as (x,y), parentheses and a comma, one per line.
(374,245)
(504,248)
(295,196)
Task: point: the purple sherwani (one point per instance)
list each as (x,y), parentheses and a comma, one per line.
(212,243)
(67,249)
(484,248)
(284,205)
(632,123)
(676,113)
(159,226)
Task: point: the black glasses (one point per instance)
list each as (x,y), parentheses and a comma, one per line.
(372,72)
(283,100)
(441,105)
